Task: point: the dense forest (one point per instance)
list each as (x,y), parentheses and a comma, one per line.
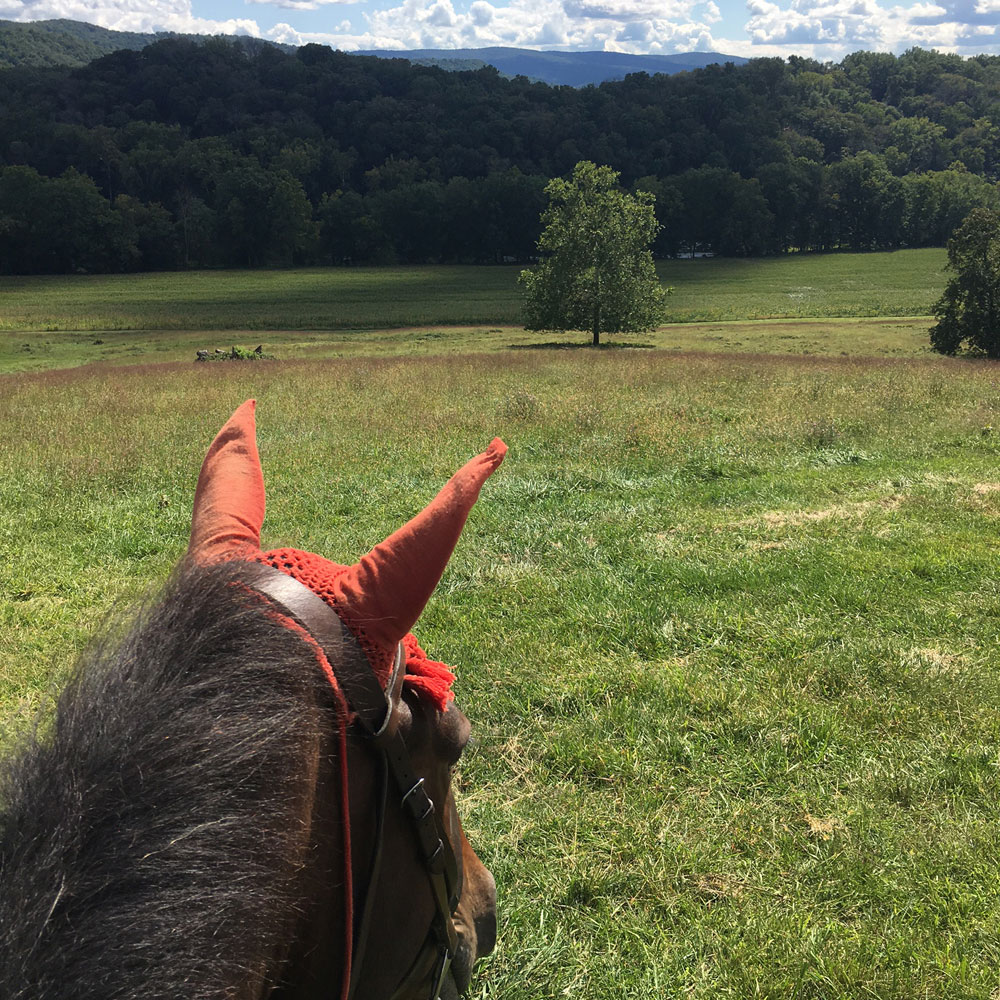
(193,155)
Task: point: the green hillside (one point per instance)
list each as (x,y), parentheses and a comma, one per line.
(63,43)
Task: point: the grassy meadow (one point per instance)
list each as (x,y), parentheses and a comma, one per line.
(840,304)
(904,283)
(726,622)
(893,337)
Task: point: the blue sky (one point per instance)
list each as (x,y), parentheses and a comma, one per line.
(824,29)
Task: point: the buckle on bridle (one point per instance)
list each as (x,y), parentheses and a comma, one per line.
(416,788)
(440,971)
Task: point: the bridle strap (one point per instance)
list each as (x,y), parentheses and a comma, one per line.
(364,924)
(374,706)
(376,713)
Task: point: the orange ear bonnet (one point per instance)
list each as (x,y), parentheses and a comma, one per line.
(381,596)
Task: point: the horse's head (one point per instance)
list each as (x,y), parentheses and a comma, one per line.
(422,907)
(410,955)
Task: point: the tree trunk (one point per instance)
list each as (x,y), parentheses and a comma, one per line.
(597,312)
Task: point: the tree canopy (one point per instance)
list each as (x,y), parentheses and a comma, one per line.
(597,272)
(969,311)
(353,159)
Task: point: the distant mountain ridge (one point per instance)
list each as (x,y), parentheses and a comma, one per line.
(575,69)
(63,42)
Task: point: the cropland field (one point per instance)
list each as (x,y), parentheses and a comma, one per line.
(726,624)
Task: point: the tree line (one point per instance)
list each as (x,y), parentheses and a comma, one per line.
(213,154)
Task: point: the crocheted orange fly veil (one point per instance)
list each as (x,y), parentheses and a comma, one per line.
(381,596)
(378,598)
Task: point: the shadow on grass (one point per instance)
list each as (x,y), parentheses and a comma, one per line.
(559,346)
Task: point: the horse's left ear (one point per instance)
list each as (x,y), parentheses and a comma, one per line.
(229,502)
(381,596)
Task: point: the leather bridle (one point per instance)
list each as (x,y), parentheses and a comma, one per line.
(376,711)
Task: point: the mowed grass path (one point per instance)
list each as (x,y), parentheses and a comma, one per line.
(899,337)
(904,283)
(727,628)
(301,299)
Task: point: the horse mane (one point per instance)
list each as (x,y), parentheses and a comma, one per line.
(148,830)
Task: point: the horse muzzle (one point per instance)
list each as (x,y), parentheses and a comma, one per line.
(475,921)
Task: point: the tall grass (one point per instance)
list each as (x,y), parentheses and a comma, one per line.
(726,629)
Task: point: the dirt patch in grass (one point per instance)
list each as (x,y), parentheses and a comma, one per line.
(823,827)
(719,887)
(555,345)
(796,518)
(934,661)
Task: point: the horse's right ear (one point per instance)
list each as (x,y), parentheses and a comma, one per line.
(229,502)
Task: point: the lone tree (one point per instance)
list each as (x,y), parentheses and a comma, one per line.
(969,310)
(597,272)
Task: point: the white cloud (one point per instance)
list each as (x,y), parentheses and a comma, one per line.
(857,23)
(298,4)
(481,13)
(712,13)
(652,26)
(422,24)
(824,29)
(128,15)
(285,34)
(831,28)
(441,14)
(342,38)
(628,10)
(290,4)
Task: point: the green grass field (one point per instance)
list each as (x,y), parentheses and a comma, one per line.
(726,622)
(904,283)
(840,304)
(895,337)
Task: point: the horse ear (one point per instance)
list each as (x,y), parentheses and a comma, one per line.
(229,501)
(382,595)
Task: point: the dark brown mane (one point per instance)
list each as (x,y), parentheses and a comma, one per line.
(141,832)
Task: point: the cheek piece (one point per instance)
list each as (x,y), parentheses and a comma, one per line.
(377,599)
